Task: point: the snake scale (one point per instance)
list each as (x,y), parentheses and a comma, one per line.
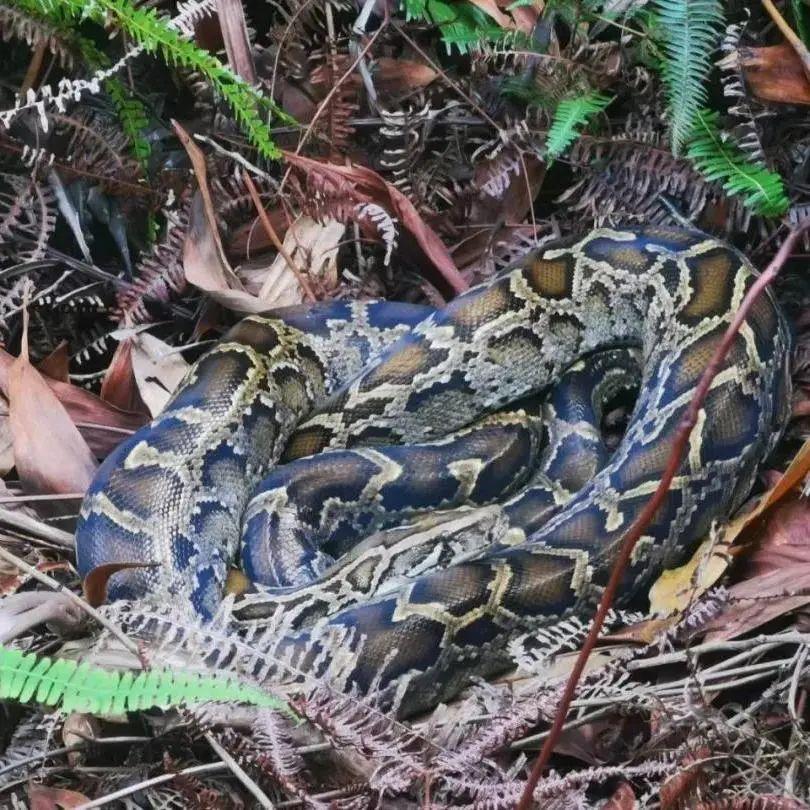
(368,378)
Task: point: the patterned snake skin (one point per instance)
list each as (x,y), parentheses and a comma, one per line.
(175,492)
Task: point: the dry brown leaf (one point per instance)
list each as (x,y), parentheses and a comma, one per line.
(102,425)
(776,574)
(51,455)
(6,442)
(204,268)
(42,797)
(119,387)
(313,247)
(393,77)
(677,588)
(227,277)
(158,369)
(371,187)
(57,364)
(775,73)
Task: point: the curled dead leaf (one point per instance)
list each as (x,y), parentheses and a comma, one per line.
(94,585)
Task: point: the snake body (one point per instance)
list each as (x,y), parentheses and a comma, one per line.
(176,491)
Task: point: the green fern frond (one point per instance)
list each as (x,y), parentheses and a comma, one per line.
(460,24)
(720,159)
(691,31)
(82,688)
(144,27)
(133,117)
(569,117)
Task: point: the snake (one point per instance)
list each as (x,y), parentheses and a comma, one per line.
(282,392)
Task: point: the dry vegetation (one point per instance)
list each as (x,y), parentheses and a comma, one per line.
(402,151)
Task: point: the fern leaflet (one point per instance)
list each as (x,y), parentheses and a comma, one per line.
(569,116)
(691,31)
(143,25)
(720,159)
(84,688)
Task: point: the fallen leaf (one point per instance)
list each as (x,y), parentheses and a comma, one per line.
(119,387)
(675,589)
(204,268)
(57,364)
(774,73)
(42,797)
(102,425)
(51,456)
(313,247)
(227,278)
(365,185)
(6,442)
(775,574)
(158,369)
(393,77)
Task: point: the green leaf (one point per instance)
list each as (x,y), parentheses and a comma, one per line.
(569,117)
(690,30)
(719,159)
(84,688)
(144,27)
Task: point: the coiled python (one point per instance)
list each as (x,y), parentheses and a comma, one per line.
(175,492)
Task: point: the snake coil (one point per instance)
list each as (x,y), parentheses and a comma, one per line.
(361,376)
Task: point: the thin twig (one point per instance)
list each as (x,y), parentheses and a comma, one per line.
(24,523)
(51,583)
(789,34)
(679,445)
(257,793)
(155,780)
(271,232)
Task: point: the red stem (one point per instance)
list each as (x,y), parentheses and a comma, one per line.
(642,521)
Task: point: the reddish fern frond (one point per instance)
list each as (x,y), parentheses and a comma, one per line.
(158,275)
(346,723)
(625,178)
(331,67)
(27,212)
(764,801)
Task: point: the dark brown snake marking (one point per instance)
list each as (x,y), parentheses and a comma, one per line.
(175,492)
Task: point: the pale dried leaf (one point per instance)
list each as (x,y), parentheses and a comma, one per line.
(158,370)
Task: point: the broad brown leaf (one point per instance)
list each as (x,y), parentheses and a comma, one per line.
(51,455)
(42,797)
(56,364)
(119,387)
(102,425)
(775,73)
